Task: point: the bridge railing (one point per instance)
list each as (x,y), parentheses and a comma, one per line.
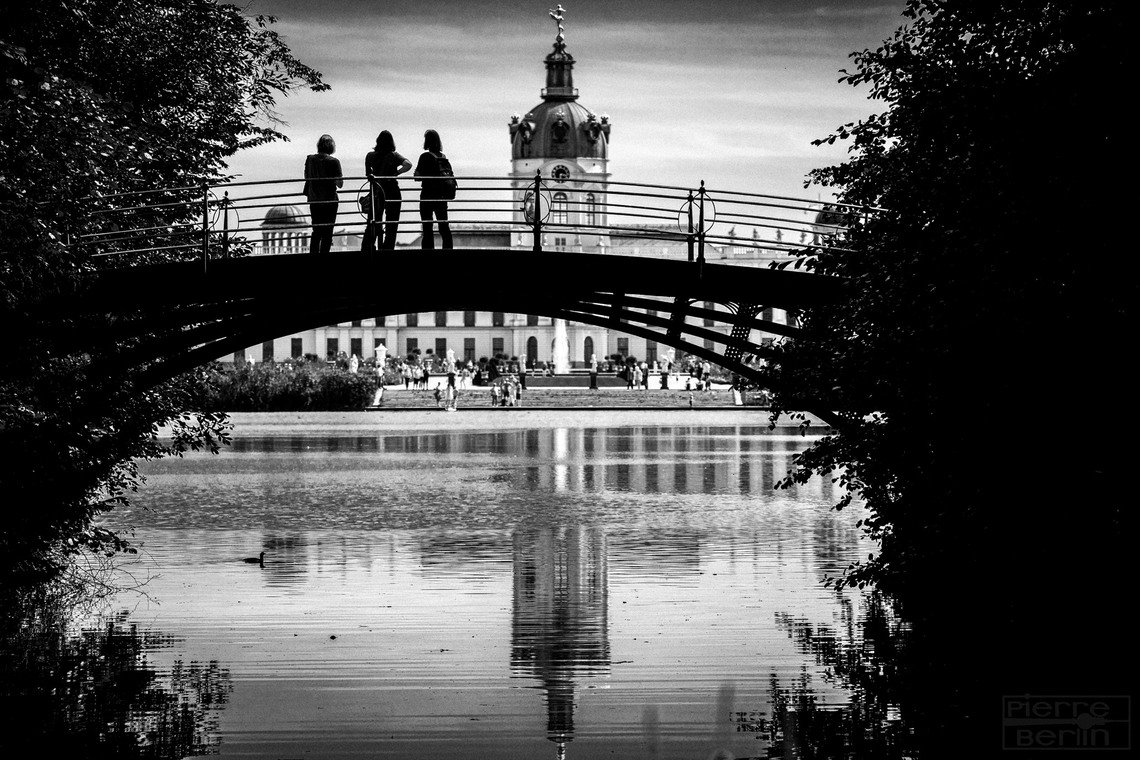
(207,222)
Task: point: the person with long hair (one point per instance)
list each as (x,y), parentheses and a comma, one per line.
(432,191)
(322,178)
(384,164)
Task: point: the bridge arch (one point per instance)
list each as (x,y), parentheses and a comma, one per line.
(177,316)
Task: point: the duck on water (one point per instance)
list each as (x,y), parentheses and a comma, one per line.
(258,560)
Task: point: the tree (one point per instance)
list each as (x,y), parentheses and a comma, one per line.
(975,363)
(984,322)
(104,97)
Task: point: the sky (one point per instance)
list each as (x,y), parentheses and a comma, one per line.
(729,92)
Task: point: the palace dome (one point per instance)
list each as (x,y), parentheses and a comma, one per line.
(559,126)
(285,216)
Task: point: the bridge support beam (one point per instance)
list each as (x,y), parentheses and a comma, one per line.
(677,320)
(741,329)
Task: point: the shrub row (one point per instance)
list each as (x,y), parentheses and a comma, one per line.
(291,386)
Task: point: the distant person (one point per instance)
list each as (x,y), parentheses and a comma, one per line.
(385,163)
(322,178)
(435,192)
(593,372)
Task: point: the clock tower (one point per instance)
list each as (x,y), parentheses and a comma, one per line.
(568,144)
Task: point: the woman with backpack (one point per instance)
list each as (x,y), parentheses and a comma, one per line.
(434,170)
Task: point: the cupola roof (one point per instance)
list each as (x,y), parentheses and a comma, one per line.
(283,216)
(559,126)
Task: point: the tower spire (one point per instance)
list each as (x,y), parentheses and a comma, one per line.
(559,64)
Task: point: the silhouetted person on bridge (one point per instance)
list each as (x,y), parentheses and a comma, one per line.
(384,162)
(438,187)
(322,178)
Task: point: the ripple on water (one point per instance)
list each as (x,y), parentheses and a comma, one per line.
(631,590)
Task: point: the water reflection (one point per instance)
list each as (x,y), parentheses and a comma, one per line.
(101,693)
(559,622)
(653,589)
(683,459)
(862,656)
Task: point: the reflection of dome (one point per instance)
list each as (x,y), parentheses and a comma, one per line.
(280,216)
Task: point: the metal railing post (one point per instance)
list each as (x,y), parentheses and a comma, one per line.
(205,226)
(226,225)
(689,238)
(371,228)
(701,228)
(537,212)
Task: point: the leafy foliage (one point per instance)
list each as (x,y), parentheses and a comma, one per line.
(290,386)
(987,308)
(104,97)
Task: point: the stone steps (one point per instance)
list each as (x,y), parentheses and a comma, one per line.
(572,398)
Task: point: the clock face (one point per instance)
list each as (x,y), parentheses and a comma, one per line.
(560,173)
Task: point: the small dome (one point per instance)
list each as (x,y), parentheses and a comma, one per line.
(283,216)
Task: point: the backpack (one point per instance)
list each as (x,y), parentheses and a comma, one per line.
(447,185)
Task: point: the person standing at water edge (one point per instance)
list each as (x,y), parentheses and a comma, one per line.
(322,178)
(384,162)
(435,191)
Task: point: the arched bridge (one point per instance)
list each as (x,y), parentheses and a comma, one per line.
(185,276)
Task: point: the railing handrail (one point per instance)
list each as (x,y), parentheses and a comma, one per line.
(210,215)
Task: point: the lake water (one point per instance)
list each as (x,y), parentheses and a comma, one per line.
(500,585)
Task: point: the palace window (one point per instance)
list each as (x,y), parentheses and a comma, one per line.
(591,209)
(441,347)
(267,351)
(469,349)
(468,319)
(356,347)
(441,319)
(413,320)
(296,348)
(497,319)
(558,208)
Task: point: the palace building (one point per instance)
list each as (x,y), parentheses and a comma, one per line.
(568,144)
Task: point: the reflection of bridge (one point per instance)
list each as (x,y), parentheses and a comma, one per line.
(175,278)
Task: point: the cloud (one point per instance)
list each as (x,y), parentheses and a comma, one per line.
(728,91)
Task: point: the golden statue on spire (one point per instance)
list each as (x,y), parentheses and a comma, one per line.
(556,14)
